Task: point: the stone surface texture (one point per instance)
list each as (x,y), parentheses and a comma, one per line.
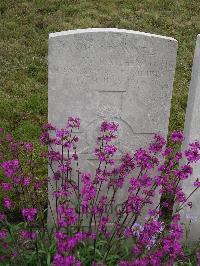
(114,74)
(192,133)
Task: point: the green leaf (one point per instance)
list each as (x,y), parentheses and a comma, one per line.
(48,259)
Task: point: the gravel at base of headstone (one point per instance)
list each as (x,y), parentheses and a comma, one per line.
(111,74)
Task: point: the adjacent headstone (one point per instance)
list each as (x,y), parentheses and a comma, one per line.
(192,133)
(114,74)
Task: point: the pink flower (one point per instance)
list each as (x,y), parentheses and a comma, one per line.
(62,133)
(28,235)
(110,149)
(2,217)
(2,258)
(26,181)
(128,232)
(48,126)
(3,234)
(29,146)
(6,186)
(178,156)
(177,136)
(88,191)
(167,152)
(45,138)
(197,184)
(67,243)
(158,144)
(193,152)
(66,215)
(29,214)
(109,126)
(57,175)
(14,254)
(73,122)
(103,223)
(184,172)
(75,157)
(144,159)
(62,192)
(7,203)
(8,137)
(60,260)
(10,167)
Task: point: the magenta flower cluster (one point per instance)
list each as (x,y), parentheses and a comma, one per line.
(116,202)
(29,214)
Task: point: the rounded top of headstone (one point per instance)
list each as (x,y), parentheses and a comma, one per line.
(96,30)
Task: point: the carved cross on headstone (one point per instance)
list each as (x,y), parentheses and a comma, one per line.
(113,74)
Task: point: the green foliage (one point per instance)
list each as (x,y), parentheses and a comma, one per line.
(27,253)
(46,248)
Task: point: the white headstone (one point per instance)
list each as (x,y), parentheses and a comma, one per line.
(192,133)
(115,74)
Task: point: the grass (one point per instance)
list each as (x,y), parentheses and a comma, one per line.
(24,39)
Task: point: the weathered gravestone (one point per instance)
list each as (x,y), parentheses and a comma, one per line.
(113,74)
(192,133)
